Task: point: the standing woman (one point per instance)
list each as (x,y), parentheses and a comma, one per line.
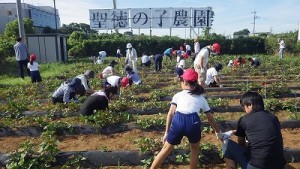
(35,75)
(183,119)
(131,56)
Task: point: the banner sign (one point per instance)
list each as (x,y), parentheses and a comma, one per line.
(103,19)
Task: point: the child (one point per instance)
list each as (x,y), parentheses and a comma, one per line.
(183,119)
(212,78)
(109,70)
(132,75)
(98,100)
(180,66)
(239,61)
(89,74)
(119,55)
(101,58)
(146,60)
(254,62)
(67,91)
(33,66)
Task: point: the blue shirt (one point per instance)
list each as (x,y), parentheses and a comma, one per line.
(21,51)
(168,51)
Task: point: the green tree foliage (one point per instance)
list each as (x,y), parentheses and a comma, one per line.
(77,38)
(12,28)
(242,32)
(72,27)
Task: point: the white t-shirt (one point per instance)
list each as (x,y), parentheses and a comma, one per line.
(102,53)
(197,47)
(33,67)
(210,74)
(145,59)
(83,81)
(113,80)
(281,44)
(108,70)
(188,47)
(204,53)
(187,103)
(181,64)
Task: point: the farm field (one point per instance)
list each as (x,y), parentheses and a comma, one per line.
(136,119)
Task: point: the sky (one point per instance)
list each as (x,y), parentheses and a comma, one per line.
(277,16)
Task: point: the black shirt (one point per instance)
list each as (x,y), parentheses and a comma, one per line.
(94,102)
(263,132)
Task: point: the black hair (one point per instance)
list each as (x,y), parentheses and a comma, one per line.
(254,99)
(218,66)
(19,39)
(197,89)
(250,59)
(31,62)
(110,90)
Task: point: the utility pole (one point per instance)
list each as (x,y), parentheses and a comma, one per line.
(55,16)
(271,29)
(115,7)
(254,18)
(20,21)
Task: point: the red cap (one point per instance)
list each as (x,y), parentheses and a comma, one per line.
(32,57)
(190,75)
(217,47)
(101,76)
(125,81)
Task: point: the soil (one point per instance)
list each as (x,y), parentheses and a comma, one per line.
(125,140)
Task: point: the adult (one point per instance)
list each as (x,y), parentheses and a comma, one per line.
(131,56)
(67,91)
(22,55)
(281,49)
(158,58)
(98,100)
(262,130)
(239,61)
(133,76)
(196,46)
(84,78)
(146,60)
(188,49)
(201,60)
(212,77)
(183,119)
(109,70)
(254,62)
(169,52)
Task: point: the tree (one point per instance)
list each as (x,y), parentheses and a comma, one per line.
(12,28)
(81,27)
(242,32)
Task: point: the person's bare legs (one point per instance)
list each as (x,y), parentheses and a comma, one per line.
(230,163)
(164,152)
(194,155)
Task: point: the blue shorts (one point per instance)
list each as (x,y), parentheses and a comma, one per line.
(35,76)
(188,125)
(179,71)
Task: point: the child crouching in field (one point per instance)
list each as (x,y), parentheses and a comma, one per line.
(35,75)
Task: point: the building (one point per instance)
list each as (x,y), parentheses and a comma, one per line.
(42,16)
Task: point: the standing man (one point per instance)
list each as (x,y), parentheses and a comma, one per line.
(201,60)
(281,49)
(131,56)
(263,133)
(196,48)
(22,55)
(158,58)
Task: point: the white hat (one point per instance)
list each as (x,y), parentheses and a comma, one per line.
(231,61)
(129,45)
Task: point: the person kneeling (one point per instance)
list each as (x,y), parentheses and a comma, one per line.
(212,77)
(98,100)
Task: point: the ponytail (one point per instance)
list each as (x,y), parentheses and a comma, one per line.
(197,90)
(31,62)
